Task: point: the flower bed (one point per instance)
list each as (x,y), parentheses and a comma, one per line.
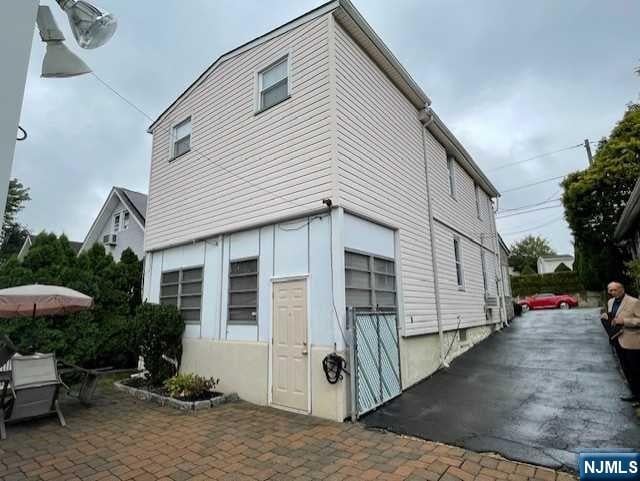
(161,395)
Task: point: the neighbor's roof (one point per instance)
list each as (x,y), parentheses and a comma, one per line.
(629,217)
(503,245)
(556,257)
(136,201)
(354,23)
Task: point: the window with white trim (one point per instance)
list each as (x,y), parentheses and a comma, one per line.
(181,138)
(370,282)
(484,270)
(183,288)
(125,220)
(451,173)
(116,222)
(478,209)
(273,84)
(458,260)
(243,292)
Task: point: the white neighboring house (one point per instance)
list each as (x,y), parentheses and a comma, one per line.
(26,246)
(549,264)
(120,223)
(302,173)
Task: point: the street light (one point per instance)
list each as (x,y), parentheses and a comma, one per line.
(91,26)
(58,60)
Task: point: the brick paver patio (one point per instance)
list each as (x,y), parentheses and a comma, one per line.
(124,439)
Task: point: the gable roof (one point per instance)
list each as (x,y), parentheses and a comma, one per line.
(28,242)
(136,203)
(354,23)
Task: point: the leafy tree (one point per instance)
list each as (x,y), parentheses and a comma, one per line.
(562,267)
(13,234)
(103,336)
(525,253)
(527,270)
(595,197)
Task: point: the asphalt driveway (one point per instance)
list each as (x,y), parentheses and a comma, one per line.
(539,391)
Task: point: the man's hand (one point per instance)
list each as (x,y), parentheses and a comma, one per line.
(604,316)
(618,321)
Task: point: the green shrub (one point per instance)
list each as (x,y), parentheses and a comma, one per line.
(159,331)
(556,283)
(190,386)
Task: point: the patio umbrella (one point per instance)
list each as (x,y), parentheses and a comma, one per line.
(41,300)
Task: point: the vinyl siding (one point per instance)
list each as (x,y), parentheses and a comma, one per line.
(245,168)
(380,170)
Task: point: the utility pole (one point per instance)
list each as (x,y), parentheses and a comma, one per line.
(587,146)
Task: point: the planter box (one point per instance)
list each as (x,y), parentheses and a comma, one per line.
(145,395)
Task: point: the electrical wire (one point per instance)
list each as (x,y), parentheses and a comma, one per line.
(512,214)
(539,156)
(527,206)
(526,186)
(529,229)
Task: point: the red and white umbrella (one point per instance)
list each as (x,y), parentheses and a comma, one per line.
(41,300)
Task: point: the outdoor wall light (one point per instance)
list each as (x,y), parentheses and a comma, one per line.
(91,26)
(58,60)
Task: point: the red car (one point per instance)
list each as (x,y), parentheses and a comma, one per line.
(549,301)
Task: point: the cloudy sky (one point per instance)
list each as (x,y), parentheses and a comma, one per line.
(513,80)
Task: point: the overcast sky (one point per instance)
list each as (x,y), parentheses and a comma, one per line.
(511,79)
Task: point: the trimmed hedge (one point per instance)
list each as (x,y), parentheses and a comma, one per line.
(555,283)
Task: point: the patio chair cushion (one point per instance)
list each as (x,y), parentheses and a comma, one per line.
(34,371)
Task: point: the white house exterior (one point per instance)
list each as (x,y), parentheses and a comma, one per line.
(549,264)
(120,224)
(266,215)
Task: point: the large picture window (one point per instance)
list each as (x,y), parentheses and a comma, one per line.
(370,282)
(183,288)
(243,292)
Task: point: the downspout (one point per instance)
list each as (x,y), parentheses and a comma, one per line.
(426,117)
(503,309)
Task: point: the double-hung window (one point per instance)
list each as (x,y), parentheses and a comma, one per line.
(125,220)
(243,291)
(478,208)
(457,252)
(116,222)
(451,173)
(273,84)
(183,288)
(181,138)
(370,282)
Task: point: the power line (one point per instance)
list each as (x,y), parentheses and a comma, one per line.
(529,229)
(531,205)
(529,211)
(525,186)
(539,156)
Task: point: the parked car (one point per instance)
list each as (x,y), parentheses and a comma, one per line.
(549,301)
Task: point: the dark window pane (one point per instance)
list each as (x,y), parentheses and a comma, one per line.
(383,265)
(243,267)
(183,145)
(192,288)
(170,290)
(169,301)
(358,297)
(274,94)
(192,274)
(246,315)
(385,298)
(459,274)
(242,283)
(191,315)
(357,279)
(190,301)
(244,299)
(385,282)
(356,261)
(169,277)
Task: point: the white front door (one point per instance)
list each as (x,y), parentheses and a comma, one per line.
(290,350)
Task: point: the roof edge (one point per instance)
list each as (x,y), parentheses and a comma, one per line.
(629,214)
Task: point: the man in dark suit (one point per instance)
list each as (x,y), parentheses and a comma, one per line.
(623,311)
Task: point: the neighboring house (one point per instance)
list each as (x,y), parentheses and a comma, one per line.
(627,231)
(26,246)
(505,273)
(549,264)
(120,223)
(302,173)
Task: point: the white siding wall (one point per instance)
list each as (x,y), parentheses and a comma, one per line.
(285,150)
(380,168)
(132,237)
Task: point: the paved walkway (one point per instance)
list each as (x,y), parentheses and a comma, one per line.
(124,439)
(538,391)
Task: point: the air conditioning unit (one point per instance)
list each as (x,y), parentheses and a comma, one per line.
(109,239)
(491,301)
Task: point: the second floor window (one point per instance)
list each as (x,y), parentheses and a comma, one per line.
(458,259)
(125,220)
(181,138)
(478,208)
(273,84)
(116,222)
(451,173)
